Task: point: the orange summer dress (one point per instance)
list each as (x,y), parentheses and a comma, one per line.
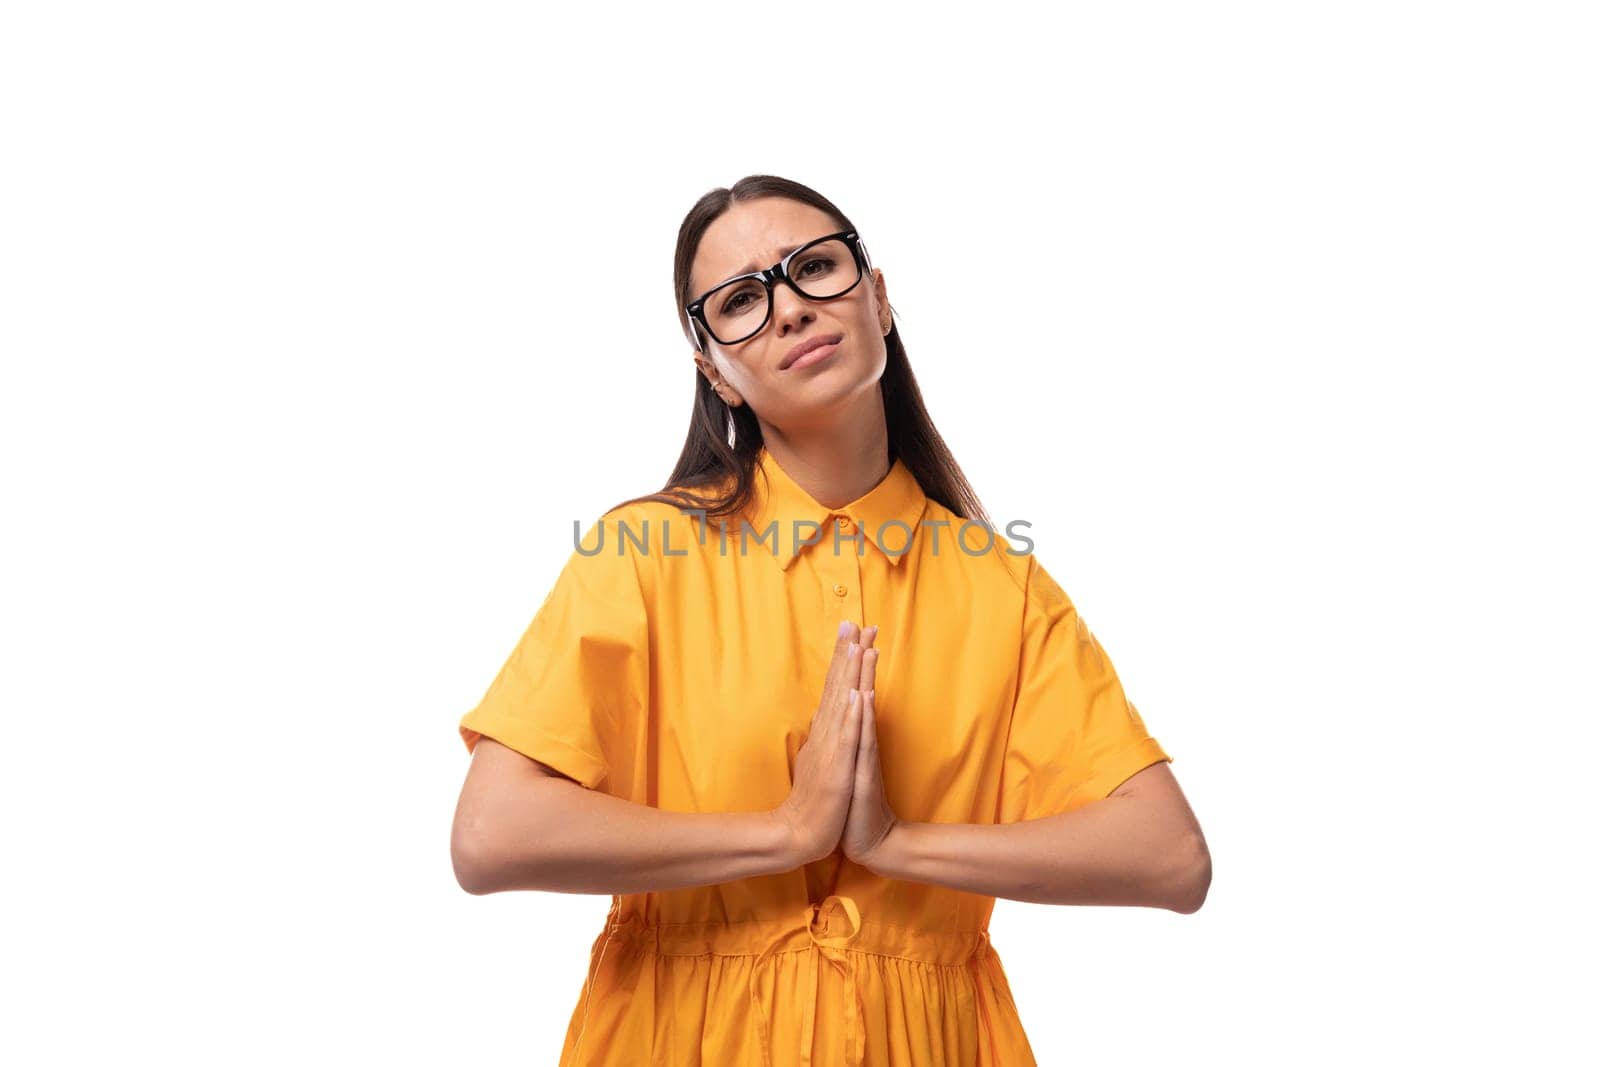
(683,671)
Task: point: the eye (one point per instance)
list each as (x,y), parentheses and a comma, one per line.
(737,302)
(824,264)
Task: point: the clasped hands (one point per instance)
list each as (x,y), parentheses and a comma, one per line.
(838,797)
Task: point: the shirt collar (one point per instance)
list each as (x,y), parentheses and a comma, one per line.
(898,498)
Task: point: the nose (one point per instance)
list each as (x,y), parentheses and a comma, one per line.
(790,310)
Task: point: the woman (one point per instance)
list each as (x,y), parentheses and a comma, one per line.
(801,713)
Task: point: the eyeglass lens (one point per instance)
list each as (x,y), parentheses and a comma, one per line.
(737,310)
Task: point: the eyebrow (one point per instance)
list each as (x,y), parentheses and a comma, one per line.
(753,266)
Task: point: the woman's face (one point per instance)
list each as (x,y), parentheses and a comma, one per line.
(753,235)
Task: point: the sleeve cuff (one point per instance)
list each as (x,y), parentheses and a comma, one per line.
(535,744)
(1130,761)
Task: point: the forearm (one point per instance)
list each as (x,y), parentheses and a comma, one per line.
(562,838)
(1107,852)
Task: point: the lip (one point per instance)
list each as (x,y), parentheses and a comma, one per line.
(806,347)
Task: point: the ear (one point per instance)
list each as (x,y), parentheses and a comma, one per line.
(729,394)
(885,314)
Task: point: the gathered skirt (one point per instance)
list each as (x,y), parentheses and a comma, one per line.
(822,990)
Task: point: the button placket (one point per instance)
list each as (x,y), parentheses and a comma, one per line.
(841,573)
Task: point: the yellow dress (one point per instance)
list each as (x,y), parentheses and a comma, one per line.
(683,672)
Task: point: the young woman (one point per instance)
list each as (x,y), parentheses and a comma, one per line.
(802,713)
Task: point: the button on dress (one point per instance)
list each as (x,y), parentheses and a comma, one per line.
(678,663)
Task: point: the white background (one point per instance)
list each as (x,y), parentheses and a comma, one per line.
(323,322)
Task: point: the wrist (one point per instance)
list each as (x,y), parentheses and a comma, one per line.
(783,841)
(888,857)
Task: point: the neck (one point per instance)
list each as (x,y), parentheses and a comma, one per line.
(838,463)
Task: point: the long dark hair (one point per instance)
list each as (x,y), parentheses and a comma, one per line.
(709,459)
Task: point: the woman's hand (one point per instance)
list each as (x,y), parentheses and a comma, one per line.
(870,821)
(814,812)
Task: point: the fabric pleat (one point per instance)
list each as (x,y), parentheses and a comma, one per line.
(829,990)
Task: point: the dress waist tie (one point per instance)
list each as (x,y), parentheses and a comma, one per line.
(829,933)
(828,946)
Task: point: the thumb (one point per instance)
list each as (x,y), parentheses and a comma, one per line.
(855,726)
(861,768)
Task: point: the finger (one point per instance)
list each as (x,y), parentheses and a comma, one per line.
(869,726)
(836,694)
(838,675)
(866,639)
(833,678)
(850,735)
(869,638)
(866,744)
(869,669)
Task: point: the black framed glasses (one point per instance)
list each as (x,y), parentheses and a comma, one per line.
(739,308)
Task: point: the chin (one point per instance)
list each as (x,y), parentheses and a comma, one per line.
(824,391)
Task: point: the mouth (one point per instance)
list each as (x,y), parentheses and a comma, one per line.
(811,348)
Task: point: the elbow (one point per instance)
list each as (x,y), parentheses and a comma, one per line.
(471,858)
(469,869)
(1191,883)
(492,851)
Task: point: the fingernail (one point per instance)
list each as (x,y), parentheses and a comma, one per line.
(844,627)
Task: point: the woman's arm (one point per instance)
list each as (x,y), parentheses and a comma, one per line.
(1140,846)
(519,825)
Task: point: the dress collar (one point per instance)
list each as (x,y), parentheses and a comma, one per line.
(897,499)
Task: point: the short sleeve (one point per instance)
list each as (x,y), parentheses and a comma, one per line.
(1074,735)
(576,684)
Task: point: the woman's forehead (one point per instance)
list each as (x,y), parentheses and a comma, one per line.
(752,235)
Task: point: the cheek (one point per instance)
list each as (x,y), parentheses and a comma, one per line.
(869,317)
(743,367)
